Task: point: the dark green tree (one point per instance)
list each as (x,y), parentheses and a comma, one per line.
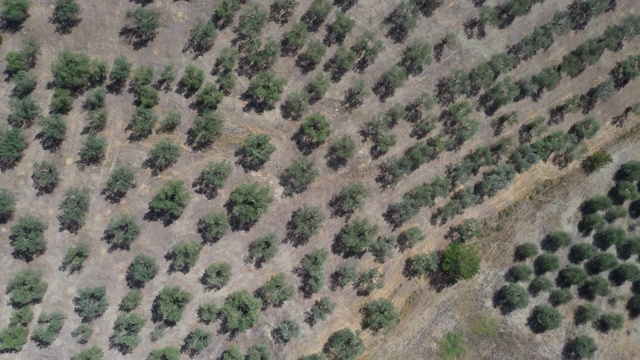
(263,249)
(411,237)
(305,222)
(26,288)
(61,102)
(201,37)
(142,123)
(265,89)
(14,12)
(511,297)
(13,142)
(355,237)
(91,303)
(27,238)
(207,313)
(143,25)
(74,258)
(282,10)
(402,20)
(93,150)
(341,61)
(131,300)
(344,344)
(275,291)
(368,281)
(321,308)
(74,209)
(212,178)
(121,180)
(316,14)
(580,347)
(213,226)
(92,353)
(122,231)
(349,199)
(54,130)
(24,83)
(240,312)
(318,87)
(196,342)
(339,29)
(192,79)
(461,261)
(7,205)
(594,286)
(184,256)
(311,56)
(163,154)
(286,331)
(169,305)
(298,176)
(216,276)
(256,151)
(125,332)
(166,353)
(247,203)
(46,177)
(544,317)
(379,315)
(415,56)
(170,201)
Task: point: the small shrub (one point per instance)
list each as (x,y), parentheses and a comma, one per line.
(216,276)
(286,331)
(141,270)
(131,300)
(184,256)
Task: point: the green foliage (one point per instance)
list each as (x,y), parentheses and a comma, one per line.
(147,96)
(169,305)
(295,38)
(216,276)
(421,264)
(258,352)
(390,81)
(624,272)
(311,271)
(595,204)
(120,181)
(281,11)
(305,222)
(13,338)
(208,313)
(591,222)
(368,281)
(91,303)
(120,71)
(545,317)
(275,291)
(344,275)
(24,83)
(461,261)
(75,257)
(73,209)
(143,75)
(167,76)
(623,191)
(525,251)
(196,341)
(184,256)
(379,315)
(125,332)
(27,238)
(601,262)
(416,55)
(212,226)
(349,199)
(192,79)
(629,171)
(202,36)
(96,120)
(511,297)
(240,311)
(355,95)
(540,284)
(163,154)
(75,72)
(82,333)
(286,331)
(171,121)
(633,306)
(206,128)
(92,353)
(344,344)
(554,241)
(143,24)
(22,317)
(208,97)
(340,28)
(298,176)
(355,237)
(49,326)
(142,122)
(341,61)
(256,151)
(340,151)
(546,263)
(232,353)
(213,178)
(295,105)
(14,12)
(311,56)
(451,346)
(265,89)
(318,87)
(225,12)
(54,130)
(519,272)
(251,21)
(571,275)
(165,353)
(402,20)
(26,287)
(559,297)
(580,347)
(131,300)
(610,321)
(13,142)
(7,205)
(247,203)
(594,286)
(586,313)
(170,201)
(263,249)
(93,150)
(23,112)
(61,102)
(316,14)
(610,235)
(411,237)
(95,98)
(322,308)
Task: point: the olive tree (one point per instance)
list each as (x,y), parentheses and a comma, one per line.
(27,238)
(247,203)
(170,201)
(298,176)
(73,209)
(256,151)
(212,178)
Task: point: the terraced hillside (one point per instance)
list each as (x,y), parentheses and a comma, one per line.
(311,179)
